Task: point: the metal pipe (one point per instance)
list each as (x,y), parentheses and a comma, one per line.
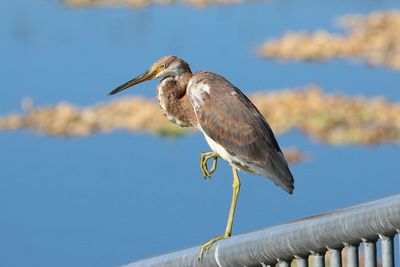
(352,255)
(301,262)
(387,251)
(318,260)
(315,233)
(284,264)
(335,258)
(370,253)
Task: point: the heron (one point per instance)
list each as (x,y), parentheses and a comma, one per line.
(233,127)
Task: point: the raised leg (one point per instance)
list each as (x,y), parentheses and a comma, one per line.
(204,157)
(228,230)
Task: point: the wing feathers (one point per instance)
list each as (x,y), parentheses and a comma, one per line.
(228,117)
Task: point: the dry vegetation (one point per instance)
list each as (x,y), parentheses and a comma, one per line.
(374,38)
(334,119)
(144,3)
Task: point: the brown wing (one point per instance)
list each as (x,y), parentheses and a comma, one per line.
(229,118)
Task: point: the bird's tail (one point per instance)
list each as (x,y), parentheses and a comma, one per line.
(278,171)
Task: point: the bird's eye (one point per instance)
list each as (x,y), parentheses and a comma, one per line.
(163,66)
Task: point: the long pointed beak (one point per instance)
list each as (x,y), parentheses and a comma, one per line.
(148,75)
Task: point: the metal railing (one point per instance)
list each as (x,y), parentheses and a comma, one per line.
(296,241)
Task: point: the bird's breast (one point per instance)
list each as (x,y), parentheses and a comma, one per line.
(161,96)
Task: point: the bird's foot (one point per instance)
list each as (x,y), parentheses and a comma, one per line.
(208,245)
(204,157)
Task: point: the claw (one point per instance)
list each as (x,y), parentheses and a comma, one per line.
(208,245)
(204,157)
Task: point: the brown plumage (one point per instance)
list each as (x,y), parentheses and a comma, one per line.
(229,118)
(231,124)
(174,102)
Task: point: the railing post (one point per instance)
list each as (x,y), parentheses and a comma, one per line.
(352,255)
(283,263)
(301,262)
(387,251)
(369,253)
(335,258)
(318,260)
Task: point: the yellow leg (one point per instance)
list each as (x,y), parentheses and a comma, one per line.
(204,157)
(228,230)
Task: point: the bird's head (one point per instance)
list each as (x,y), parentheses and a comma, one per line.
(168,66)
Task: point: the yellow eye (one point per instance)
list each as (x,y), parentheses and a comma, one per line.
(163,66)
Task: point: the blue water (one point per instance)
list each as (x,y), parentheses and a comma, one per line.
(112,198)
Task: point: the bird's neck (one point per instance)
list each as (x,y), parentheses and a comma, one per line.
(174,101)
(183,81)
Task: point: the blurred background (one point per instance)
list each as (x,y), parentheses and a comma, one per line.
(104,198)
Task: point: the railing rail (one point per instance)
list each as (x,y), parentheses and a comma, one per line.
(314,236)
